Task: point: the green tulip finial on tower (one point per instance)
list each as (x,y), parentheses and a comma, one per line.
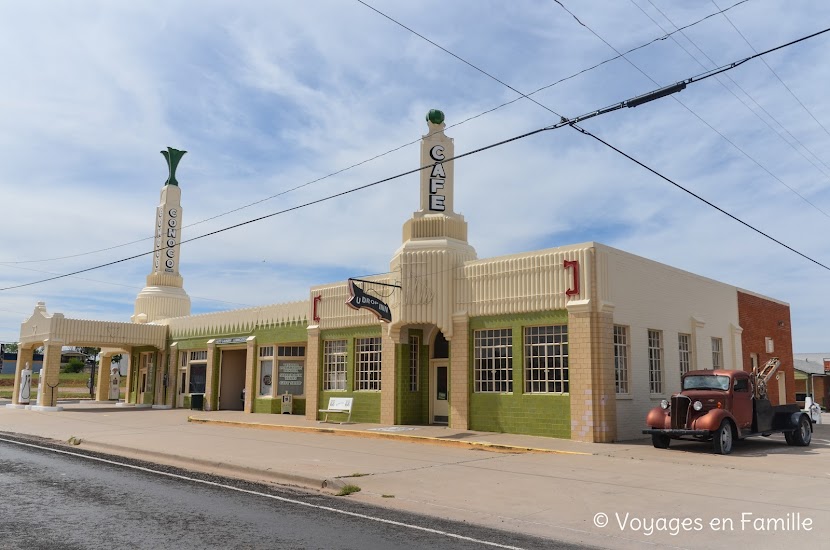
(173,156)
(434,116)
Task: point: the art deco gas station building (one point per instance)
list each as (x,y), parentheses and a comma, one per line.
(577,341)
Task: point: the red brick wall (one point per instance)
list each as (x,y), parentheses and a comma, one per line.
(760,319)
(800,385)
(821,389)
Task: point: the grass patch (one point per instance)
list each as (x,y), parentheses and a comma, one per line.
(388,496)
(75,379)
(348,489)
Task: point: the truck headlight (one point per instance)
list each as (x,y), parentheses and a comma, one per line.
(664,404)
(697,405)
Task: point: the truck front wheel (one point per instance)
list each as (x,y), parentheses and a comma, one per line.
(803,434)
(722,438)
(660,441)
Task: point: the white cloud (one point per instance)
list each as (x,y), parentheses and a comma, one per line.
(268,96)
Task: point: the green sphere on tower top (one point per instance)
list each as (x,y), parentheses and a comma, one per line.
(435,116)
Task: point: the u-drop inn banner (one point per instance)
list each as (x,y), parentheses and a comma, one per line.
(360,300)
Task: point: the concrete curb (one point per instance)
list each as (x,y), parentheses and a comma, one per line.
(495,447)
(201,465)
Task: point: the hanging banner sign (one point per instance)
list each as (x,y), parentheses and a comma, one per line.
(360,300)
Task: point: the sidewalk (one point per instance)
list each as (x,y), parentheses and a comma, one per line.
(434,435)
(188,438)
(540,486)
(269,447)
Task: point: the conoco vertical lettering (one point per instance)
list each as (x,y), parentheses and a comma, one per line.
(172,223)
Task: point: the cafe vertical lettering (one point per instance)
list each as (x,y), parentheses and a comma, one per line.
(437,151)
(437,179)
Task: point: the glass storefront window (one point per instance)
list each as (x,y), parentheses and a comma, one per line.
(266,370)
(198,378)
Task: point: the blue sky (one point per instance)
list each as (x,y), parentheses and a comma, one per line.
(267,96)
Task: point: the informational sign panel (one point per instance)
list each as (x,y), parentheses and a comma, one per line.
(290,377)
(235,340)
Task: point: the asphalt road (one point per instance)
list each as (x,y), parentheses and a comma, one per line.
(54,499)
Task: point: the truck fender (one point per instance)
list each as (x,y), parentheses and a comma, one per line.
(658,418)
(712,420)
(795,417)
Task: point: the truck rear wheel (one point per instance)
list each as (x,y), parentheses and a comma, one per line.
(803,434)
(723,438)
(660,441)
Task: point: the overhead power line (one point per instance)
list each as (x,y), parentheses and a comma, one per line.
(133,287)
(667,90)
(698,197)
(633,102)
(445,50)
(671,88)
(748,43)
(619,55)
(394,149)
(645,98)
(700,118)
(284,211)
(744,91)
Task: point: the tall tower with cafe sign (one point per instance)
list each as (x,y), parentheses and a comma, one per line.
(164,295)
(437,181)
(434,240)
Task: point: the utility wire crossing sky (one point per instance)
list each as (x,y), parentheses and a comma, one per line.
(264,97)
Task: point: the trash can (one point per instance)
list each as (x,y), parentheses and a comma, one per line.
(197,402)
(287,403)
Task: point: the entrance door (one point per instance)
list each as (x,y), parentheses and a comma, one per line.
(145,371)
(439,391)
(232,380)
(182,387)
(142,386)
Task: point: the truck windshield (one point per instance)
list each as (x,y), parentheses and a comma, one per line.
(706,382)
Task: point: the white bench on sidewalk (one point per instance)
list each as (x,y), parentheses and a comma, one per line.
(338,405)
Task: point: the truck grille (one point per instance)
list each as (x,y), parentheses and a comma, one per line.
(680,406)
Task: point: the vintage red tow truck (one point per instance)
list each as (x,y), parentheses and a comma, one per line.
(723,406)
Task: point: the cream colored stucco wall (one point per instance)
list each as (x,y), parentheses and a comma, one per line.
(428,271)
(42,325)
(237,321)
(649,295)
(520,283)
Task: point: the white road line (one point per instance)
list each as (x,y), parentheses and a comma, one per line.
(274,497)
